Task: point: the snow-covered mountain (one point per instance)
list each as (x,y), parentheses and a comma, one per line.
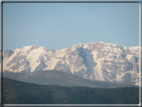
(95,61)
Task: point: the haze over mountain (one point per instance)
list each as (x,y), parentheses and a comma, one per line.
(95,61)
(56,77)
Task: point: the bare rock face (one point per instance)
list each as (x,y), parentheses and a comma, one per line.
(95,61)
(91,47)
(7,53)
(41,66)
(127,78)
(62,66)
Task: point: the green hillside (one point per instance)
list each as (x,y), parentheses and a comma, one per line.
(15,92)
(56,77)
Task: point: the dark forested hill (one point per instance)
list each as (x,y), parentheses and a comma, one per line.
(15,92)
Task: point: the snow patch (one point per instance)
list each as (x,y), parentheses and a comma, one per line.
(94,53)
(52,63)
(89,59)
(26,48)
(98,71)
(134,48)
(129,56)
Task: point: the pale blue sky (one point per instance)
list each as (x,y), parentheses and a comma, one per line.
(60,25)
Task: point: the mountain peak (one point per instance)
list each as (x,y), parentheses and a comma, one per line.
(96,61)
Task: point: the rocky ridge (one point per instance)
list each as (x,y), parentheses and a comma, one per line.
(95,61)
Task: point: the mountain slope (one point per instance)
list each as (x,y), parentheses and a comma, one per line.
(56,77)
(15,92)
(95,61)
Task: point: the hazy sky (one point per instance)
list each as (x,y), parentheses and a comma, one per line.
(60,25)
